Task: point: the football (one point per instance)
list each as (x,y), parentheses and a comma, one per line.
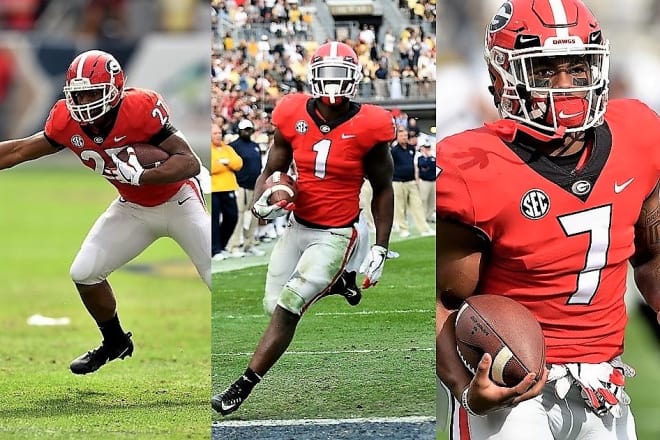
(149,156)
(283,186)
(507,330)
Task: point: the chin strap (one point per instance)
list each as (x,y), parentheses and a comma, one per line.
(507,130)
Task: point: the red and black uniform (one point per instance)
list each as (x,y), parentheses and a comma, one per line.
(141,117)
(329,156)
(559,241)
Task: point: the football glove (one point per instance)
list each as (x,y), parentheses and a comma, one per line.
(265,211)
(601,385)
(130,171)
(372,266)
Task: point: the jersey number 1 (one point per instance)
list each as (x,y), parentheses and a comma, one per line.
(595,222)
(322,149)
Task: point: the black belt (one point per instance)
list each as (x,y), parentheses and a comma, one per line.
(317,226)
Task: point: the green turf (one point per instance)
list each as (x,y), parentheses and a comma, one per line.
(161,392)
(395,378)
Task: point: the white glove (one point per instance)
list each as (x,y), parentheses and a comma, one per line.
(130,171)
(373,266)
(265,211)
(601,385)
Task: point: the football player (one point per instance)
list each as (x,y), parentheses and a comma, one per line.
(334,142)
(547,206)
(97,119)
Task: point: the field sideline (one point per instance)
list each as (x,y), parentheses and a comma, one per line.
(161,392)
(375,360)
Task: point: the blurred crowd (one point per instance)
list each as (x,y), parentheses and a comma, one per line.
(106,19)
(250,75)
(419,10)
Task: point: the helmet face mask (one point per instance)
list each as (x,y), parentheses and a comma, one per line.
(549,65)
(334,73)
(94,86)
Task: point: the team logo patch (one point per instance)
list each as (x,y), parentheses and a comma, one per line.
(501,18)
(77,141)
(581,187)
(535,204)
(324,128)
(302,127)
(98,140)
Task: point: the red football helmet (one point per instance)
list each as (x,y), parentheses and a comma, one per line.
(334,72)
(97,74)
(528,44)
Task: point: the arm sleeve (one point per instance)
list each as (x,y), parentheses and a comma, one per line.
(453,199)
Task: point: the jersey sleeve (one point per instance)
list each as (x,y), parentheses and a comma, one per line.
(55,124)
(381,125)
(285,108)
(149,114)
(453,199)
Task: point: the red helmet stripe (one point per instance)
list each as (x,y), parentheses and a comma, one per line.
(559,14)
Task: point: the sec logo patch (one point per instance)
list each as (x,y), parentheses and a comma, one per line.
(302,127)
(535,204)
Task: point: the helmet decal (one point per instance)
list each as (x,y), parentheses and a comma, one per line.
(501,18)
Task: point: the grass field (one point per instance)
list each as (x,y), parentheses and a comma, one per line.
(376,359)
(161,392)
(643,353)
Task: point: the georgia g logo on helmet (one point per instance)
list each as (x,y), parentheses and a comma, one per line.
(501,18)
(334,73)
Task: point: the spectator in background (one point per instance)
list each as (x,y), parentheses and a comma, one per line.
(177,15)
(250,153)
(426,171)
(406,191)
(104,19)
(224,211)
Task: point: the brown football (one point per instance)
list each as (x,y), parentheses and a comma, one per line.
(149,156)
(284,187)
(507,330)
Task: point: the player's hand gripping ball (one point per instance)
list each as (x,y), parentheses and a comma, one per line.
(506,330)
(149,156)
(278,197)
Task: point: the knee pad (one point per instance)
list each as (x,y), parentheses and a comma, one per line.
(85,269)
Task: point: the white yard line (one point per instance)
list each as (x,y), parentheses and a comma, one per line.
(322,352)
(362,312)
(313,422)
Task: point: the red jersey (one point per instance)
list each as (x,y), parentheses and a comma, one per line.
(142,117)
(559,241)
(328,156)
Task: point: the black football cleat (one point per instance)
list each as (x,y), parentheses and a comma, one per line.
(346,286)
(96,358)
(230,399)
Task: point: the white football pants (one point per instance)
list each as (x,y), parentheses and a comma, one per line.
(126,229)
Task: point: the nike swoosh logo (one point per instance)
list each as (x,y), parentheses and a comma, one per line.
(119,138)
(348,136)
(181,202)
(619,188)
(527,39)
(565,116)
(226,407)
